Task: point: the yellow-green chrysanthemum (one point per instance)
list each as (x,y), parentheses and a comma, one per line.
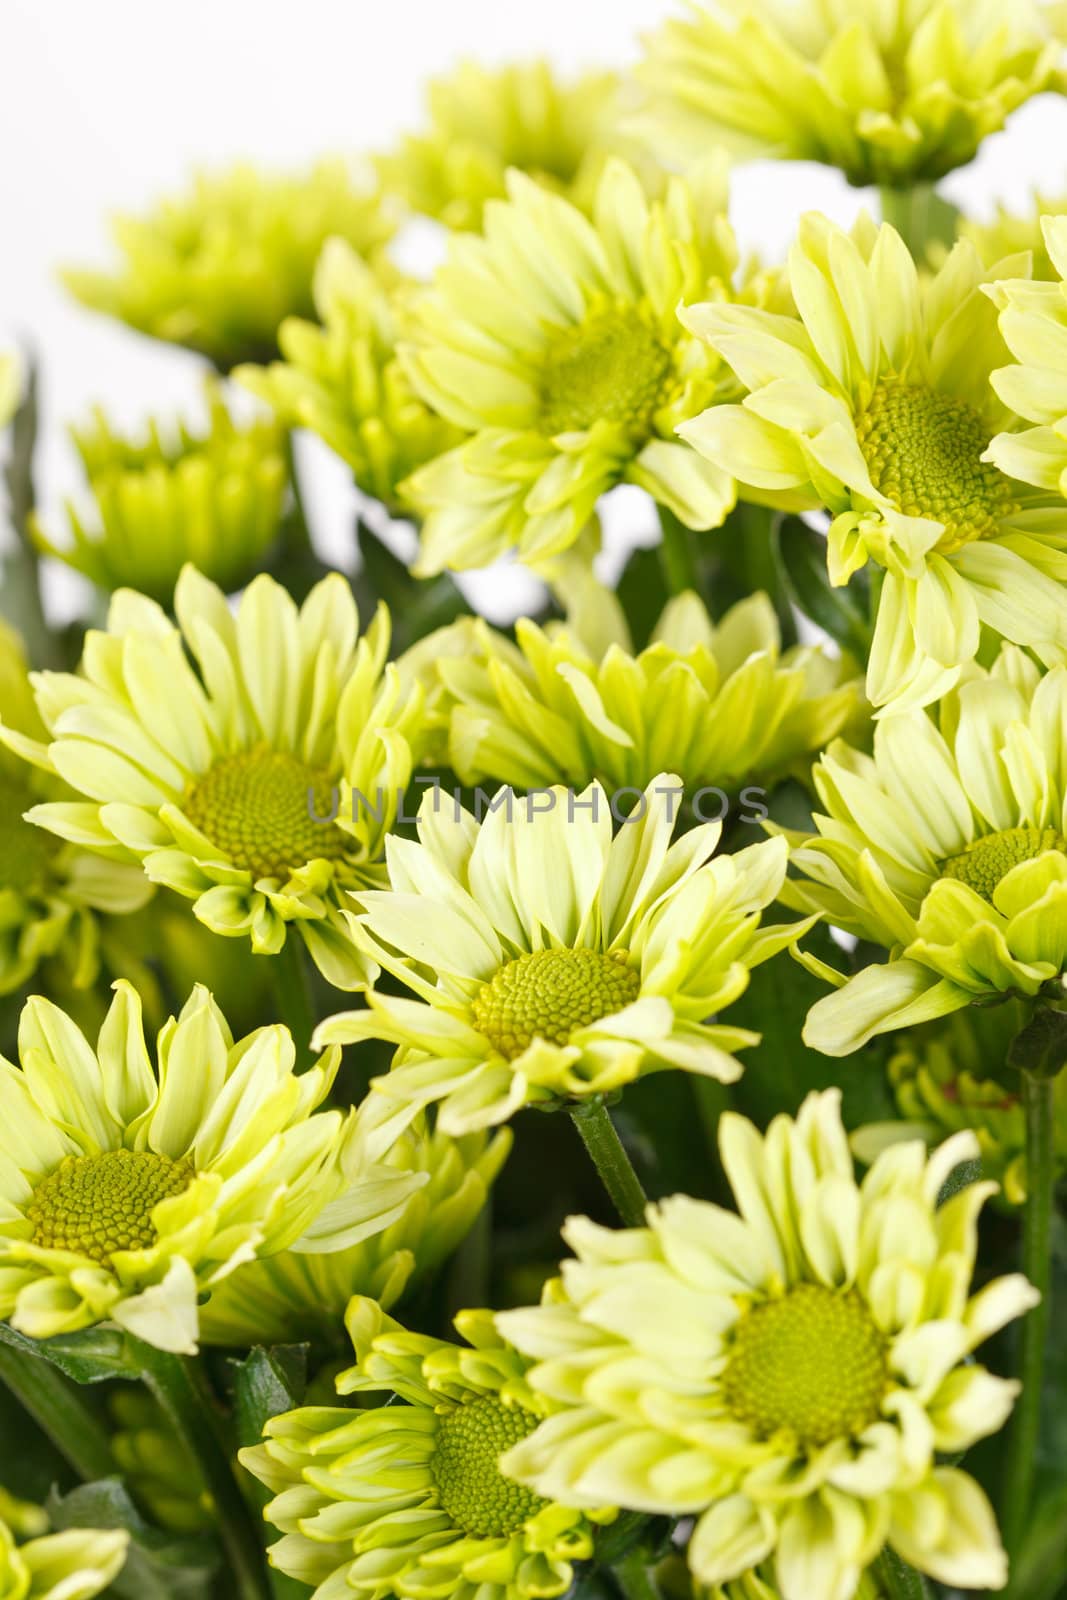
(951,1075)
(949,848)
(290,1297)
(891,94)
(407,1500)
(129,1191)
(552,961)
(790,1375)
(1033,322)
(214,499)
(219,267)
(554,340)
(718,703)
(74,1565)
(1010,233)
(223,781)
(341,378)
(484,121)
(877,405)
(52,894)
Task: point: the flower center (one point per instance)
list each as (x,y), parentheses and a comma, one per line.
(95,1205)
(470,1486)
(548,994)
(612,366)
(924,452)
(986,861)
(260,808)
(813,1363)
(25,851)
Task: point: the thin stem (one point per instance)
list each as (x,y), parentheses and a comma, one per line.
(676,554)
(184,1397)
(898,1580)
(598,1134)
(1037,1221)
(60,1411)
(634,1579)
(298,539)
(292,991)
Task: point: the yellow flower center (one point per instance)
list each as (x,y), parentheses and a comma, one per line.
(613,367)
(95,1205)
(471,1438)
(812,1363)
(259,808)
(924,452)
(986,861)
(25,851)
(548,994)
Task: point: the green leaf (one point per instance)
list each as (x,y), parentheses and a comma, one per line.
(267,1383)
(160,1566)
(642,594)
(418,605)
(95,1355)
(71,1420)
(30,1471)
(842,613)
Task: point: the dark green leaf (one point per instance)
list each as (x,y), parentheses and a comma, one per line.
(92,1356)
(160,1566)
(642,594)
(842,613)
(267,1383)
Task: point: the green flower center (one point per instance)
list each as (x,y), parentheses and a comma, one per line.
(548,994)
(613,367)
(25,851)
(259,809)
(924,452)
(466,1472)
(95,1205)
(813,1363)
(986,861)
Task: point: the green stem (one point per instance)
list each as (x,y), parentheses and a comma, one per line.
(899,1581)
(292,991)
(634,1579)
(298,532)
(677,555)
(60,1411)
(1021,1464)
(178,1386)
(598,1134)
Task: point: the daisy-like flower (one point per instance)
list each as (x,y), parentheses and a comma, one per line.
(788,1375)
(214,498)
(890,94)
(53,896)
(128,1191)
(407,1500)
(341,377)
(1033,322)
(74,1565)
(554,341)
(720,703)
(1010,233)
(877,405)
(219,267)
(223,782)
(286,1298)
(948,847)
(483,121)
(551,961)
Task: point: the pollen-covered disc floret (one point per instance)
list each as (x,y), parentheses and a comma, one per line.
(547,994)
(613,367)
(811,1363)
(984,863)
(95,1205)
(414,1487)
(267,811)
(792,1376)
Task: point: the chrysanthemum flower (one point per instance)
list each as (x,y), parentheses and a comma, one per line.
(290,1297)
(949,848)
(719,703)
(877,405)
(889,96)
(484,121)
(219,267)
(554,340)
(551,961)
(223,782)
(127,1191)
(214,498)
(52,895)
(341,378)
(789,1375)
(1010,233)
(1033,322)
(407,1499)
(74,1565)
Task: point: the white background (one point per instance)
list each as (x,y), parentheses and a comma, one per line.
(106,104)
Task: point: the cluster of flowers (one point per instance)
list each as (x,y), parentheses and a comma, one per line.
(762,1392)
